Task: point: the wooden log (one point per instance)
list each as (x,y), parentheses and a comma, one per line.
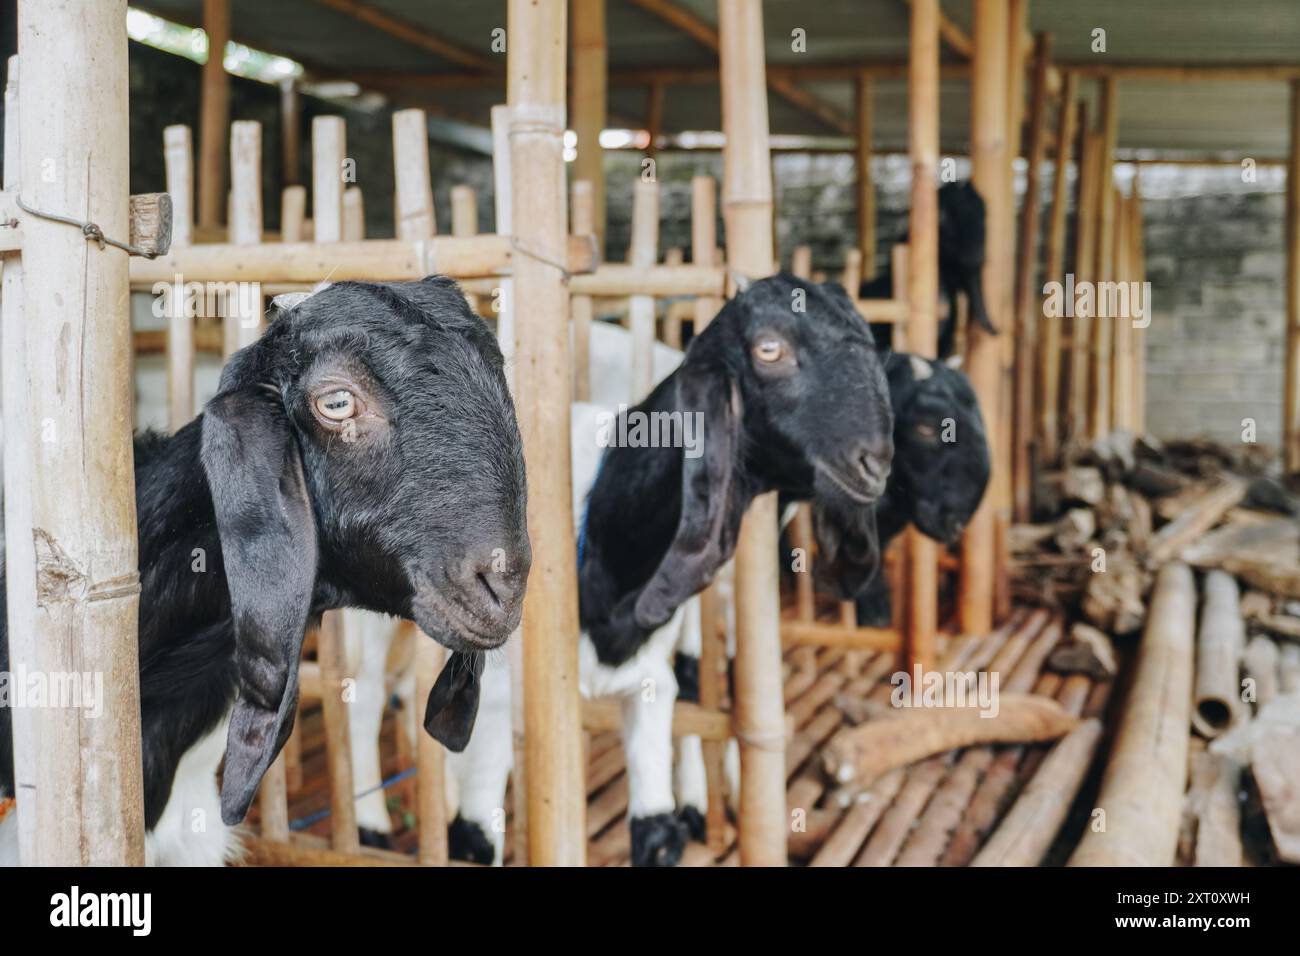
(1088,651)
(1275,763)
(842,845)
(214,114)
(1220,641)
(1027,301)
(1049,375)
(1027,831)
(867,752)
(589,103)
(552,711)
(1200,516)
(178,159)
(1142,790)
(73,598)
(748,211)
(1214,806)
(1260,662)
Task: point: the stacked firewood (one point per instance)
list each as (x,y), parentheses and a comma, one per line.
(1106,523)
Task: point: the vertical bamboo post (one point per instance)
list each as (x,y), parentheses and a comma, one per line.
(464,221)
(1291,394)
(244,316)
(354,214)
(989,159)
(1122,371)
(1049,379)
(923,292)
(1027,309)
(1139,270)
(17,499)
(290,132)
(293,213)
(214,114)
(582,211)
(704,241)
(1085,257)
(178,158)
(329,149)
(1103,326)
(866,185)
(800,531)
(414,219)
(413,188)
(759,708)
(78,587)
(553,716)
(503,185)
(642,253)
(590,93)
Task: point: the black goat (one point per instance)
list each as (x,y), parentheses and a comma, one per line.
(363,452)
(961,262)
(941,461)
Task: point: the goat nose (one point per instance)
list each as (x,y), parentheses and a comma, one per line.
(496,579)
(875,460)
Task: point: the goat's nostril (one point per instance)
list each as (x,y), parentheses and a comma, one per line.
(492,595)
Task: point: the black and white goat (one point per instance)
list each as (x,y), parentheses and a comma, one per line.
(961,262)
(791,399)
(362,453)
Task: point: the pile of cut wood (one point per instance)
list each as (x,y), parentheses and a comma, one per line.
(1106,523)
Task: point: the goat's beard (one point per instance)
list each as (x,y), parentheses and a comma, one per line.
(848,547)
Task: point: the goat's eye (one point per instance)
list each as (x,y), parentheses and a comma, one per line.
(769,350)
(337,406)
(926,431)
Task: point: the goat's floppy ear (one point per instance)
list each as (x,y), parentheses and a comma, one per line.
(453,702)
(848,550)
(711,508)
(268,546)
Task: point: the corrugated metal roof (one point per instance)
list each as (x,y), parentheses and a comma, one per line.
(1238,118)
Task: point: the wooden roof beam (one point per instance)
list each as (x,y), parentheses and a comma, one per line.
(412,34)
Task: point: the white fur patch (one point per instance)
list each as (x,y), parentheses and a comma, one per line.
(921,369)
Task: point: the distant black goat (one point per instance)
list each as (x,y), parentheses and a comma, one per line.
(363,452)
(941,461)
(961,261)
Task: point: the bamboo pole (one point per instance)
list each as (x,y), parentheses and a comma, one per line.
(243,326)
(1291,394)
(989,162)
(21,589)
(1101,414)
(1085,258)
(641,308)
(866,185)
(178,158)
(922,281)
(414,191)
(338,741)
(704,243)
(1139,272)
(582,211)
(290,132)
(556,795)
(1049,377)
(75,594)
(747,206)
(1220,643)
(354,215)
(431,800)
(464,222)
(1027,302)
(589,103)
(504,293)
(1122,332)
(328,151)
(1142,790)
(214,114)
(293,212)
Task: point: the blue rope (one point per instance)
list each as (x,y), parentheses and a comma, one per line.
(303,823)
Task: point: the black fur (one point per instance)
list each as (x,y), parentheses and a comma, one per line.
(658,840)
(467,841)
(686,668)
(816,425)
(961,262)
(295,516)
(935,484)
(696,826)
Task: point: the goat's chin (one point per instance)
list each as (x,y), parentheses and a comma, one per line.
(455,627)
